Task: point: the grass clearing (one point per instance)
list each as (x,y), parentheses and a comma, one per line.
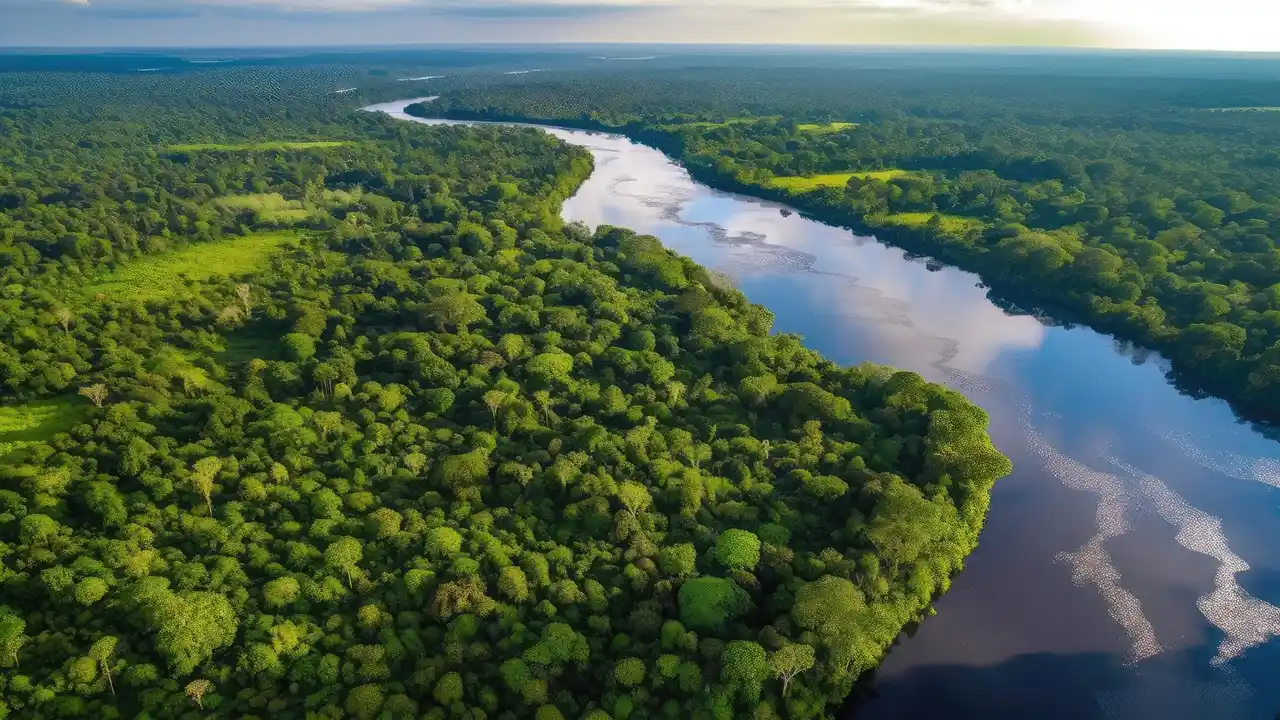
(950,223)
(277,146)
(270,208)
(22,425)
(803,184)
(830,127)
(160,276)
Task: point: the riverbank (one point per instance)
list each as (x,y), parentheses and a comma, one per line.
(1011,289)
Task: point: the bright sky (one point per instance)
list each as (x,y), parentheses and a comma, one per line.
(1180,24)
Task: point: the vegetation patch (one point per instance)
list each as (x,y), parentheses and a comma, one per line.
(806,183)
(160,276)
(277,146)
(270,208)
(949,223)
(22,425)
(830,127)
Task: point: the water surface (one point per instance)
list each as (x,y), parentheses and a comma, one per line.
(1130,567)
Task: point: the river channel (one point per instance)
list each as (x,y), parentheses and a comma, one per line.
(1130,566)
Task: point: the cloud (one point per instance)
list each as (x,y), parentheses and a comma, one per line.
(1189,24)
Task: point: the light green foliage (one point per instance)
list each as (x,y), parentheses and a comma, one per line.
(90,590)
(743,668)
(160,277)
(443,541)
(802,184)
(948,223)
(343,554)
(192,627)
(789,661)
(550,367)
(365,701)
(679,560)
(707,603)
(629,672)
(738,549)
(12,636)
(825,127)
(38,421)
(280,592)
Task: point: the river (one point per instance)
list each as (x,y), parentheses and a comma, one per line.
(1130,566)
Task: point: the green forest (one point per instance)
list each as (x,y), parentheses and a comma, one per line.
(1128,202)
(310,413)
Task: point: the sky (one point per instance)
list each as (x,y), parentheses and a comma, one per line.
(1232,25)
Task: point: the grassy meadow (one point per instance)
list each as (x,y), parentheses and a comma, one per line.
(21,425)
(950,223)
(160,276)
(830,127)
(804,184)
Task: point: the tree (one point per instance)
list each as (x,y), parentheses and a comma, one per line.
(197,689)
(709,603)
(744,668)
(678,560)
(629,672)
(13,636)
(202,478)
(789,661)
(245,294)
(64,317)
(738,549)
(457,310)
(97,393)
(192,627)
(448,689)
(103,652)
(280,592)
(494,400)
(443,542)
(344,554)
(365,701)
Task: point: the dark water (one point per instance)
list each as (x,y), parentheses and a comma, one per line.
(1130,567)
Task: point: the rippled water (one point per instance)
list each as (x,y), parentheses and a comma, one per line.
(1130,567)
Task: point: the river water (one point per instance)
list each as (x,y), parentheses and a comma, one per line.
(1130,566)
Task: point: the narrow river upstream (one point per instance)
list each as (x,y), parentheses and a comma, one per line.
(1130,566)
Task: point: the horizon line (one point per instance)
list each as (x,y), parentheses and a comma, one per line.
(891,46)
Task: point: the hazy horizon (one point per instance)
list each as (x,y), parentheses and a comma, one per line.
(1205,25)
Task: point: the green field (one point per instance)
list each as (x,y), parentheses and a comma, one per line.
(257,147)
(950,223)
(827,128)
(21,425)
(160,276)
(802,184)
(270,208)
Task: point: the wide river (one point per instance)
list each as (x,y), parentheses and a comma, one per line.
(1130,566)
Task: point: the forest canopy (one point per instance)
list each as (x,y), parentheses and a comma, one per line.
(425,451)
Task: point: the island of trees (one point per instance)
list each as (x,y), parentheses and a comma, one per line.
(1114,192)
(307,413)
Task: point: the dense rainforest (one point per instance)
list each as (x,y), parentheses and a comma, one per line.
(1131,194)
(307,413)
